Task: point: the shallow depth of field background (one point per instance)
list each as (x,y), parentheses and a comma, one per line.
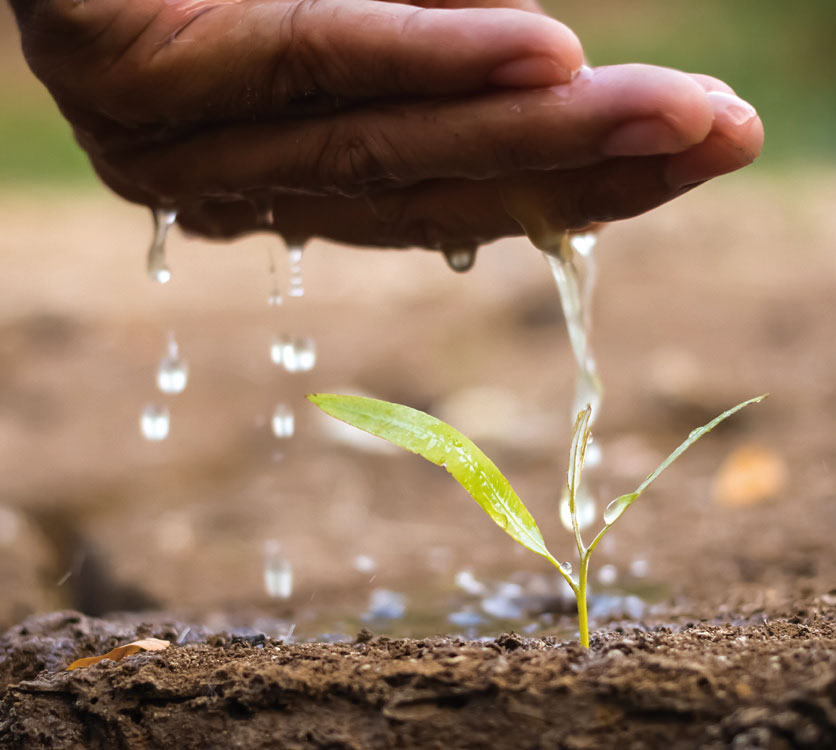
(729,292)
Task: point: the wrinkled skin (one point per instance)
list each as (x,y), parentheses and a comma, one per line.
(372,122)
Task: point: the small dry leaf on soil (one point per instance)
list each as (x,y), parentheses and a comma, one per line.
(120,652)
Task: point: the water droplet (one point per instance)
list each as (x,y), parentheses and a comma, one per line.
(584,243)
(584,508)
(277,348)
(639,568)
(154,422)
(466,582)
(607,575)
(465,619)
(461,259)
(364,563)
(566,567)
(158,269)
(501,607)
(283,422)
(294,256)
(385,605)
(299,355)
(278,574)
(262,201)
(173,373)
(275,297)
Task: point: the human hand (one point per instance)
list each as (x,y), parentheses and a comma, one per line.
(367,122)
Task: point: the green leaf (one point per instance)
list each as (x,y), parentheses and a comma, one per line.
(444,446)
(614,510)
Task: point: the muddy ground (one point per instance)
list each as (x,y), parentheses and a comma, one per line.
(728,293)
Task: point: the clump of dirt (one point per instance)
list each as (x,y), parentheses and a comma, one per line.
(771,685)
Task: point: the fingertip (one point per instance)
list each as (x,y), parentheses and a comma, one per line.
(718,154)
(710,83)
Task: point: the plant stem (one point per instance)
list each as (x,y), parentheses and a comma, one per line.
(580,595)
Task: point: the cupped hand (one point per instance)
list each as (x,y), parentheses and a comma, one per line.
(370,122)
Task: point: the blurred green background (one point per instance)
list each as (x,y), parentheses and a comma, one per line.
(777,54)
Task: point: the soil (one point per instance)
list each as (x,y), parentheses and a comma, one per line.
(771,686)
(716,632)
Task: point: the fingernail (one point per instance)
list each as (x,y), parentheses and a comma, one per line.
(731,108)
(530,72)
(644,137)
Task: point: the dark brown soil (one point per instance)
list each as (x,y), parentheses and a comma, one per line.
(771,685)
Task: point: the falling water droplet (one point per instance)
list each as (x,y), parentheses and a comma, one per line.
(173,372)
(461,259)
(299,355)
(283,422)
(294,256)
(158,269)
(566,567)
(277,349)
(262,201)
(364,563)
(278,574)
(274,299)
(154,422)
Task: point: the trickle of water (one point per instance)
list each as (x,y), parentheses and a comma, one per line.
(154,422)
(173,372)
(294,256)
(460,259)
(566,567)
(573,266)
(278,574)
(158,269)
(283,422)
(574,274)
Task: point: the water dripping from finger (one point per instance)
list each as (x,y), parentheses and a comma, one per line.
(157,266)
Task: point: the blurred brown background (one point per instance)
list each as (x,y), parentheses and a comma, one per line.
(727,293)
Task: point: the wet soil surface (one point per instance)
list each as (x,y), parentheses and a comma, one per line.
(771,685)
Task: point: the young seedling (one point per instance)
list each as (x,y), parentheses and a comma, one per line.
(445,446)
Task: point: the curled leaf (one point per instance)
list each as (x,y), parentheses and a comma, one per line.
(120,652)
(444,446)
(577,453)
(615,509)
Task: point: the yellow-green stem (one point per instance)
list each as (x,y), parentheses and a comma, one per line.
(583,618)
